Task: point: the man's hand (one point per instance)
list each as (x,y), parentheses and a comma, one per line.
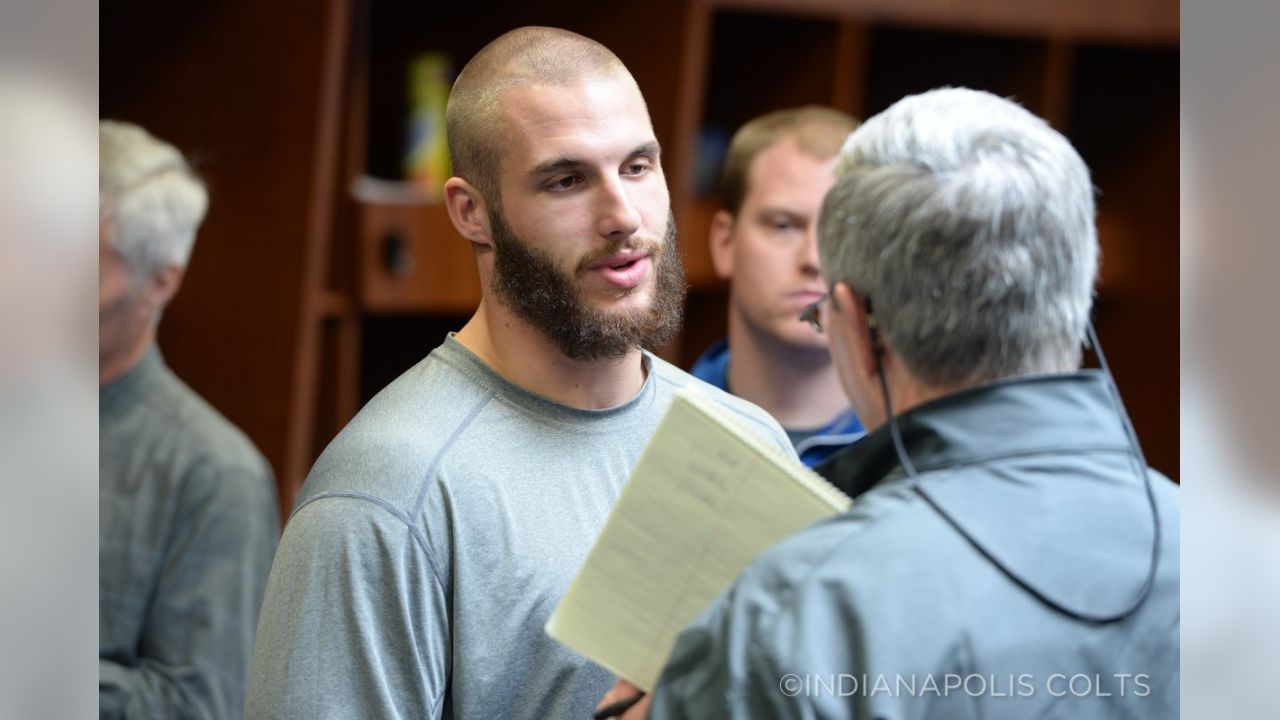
(623,690)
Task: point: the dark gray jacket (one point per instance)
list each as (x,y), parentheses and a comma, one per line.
(889,612)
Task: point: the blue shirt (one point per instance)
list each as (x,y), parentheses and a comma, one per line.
(713,368)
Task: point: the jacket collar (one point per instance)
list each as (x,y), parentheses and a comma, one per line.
(1017,416)
(126,391)
(1039,474)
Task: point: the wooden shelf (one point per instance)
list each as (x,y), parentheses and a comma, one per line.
(1128,21)
(335,305)
(914,60)
(695,224)
(412,260)
(793,54)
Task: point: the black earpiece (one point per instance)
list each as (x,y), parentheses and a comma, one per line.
(873,330)
(1136,456)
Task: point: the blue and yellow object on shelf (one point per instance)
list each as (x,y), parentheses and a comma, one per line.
(427,153)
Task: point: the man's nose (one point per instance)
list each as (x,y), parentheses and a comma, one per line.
(618,217)
(808,252)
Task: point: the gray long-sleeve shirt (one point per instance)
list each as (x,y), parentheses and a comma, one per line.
(435,536)
(188,522)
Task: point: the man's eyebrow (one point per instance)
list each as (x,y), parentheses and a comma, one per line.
(770,211)
(651,149)
(794,215)
(561,163)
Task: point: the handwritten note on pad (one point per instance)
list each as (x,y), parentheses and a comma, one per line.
(706,496)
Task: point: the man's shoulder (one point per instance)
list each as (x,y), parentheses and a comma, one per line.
(712,365)
(435,392)
(874,564)
(193,431)
(880,521)
(814,576)
(173,451)
(390,446)
(892,553)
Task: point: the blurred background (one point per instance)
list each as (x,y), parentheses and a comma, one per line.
(326,266)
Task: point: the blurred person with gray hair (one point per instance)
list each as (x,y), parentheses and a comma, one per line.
(188,520)
(1008,554)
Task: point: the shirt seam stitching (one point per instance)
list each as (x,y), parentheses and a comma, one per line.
(434,468)
(395,512)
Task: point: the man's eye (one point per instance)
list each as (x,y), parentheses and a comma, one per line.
(636,168)
(565,183)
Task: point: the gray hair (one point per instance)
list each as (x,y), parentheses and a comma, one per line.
(151,200)
(969,223)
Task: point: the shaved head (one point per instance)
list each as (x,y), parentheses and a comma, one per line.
(524,56)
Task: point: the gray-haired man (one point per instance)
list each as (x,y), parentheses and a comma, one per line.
(1002,559)
(187,518)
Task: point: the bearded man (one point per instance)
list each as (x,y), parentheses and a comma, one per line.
(436,534)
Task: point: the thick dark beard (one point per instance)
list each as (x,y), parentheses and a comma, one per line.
(527,280)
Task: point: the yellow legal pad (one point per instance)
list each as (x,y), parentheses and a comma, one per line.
(707,495)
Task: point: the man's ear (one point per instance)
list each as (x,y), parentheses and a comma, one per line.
(721,244)
(467,211)
(849,308)
(163,285)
